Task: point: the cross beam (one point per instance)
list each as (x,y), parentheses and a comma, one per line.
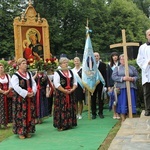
(124,44)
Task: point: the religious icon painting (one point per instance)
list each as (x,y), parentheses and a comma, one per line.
(32,43)
(31,34)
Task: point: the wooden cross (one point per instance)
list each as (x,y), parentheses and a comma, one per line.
(30,2)
(124,44)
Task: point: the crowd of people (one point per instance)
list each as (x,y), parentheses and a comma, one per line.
(26,98)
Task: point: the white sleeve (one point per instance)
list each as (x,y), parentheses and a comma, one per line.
(51,77)
(74,80)
(17,88)
(56,80)
(142,61)
(10,85)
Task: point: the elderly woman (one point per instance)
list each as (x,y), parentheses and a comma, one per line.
(23,101)
(64,103)
(120,78)
(5,101)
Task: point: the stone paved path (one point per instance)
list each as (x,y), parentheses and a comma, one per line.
(134,134)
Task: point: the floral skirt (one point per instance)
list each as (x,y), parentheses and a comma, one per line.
(5,111)
(64,111)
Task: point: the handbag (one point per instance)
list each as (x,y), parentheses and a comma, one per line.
(116,93)
(117,90)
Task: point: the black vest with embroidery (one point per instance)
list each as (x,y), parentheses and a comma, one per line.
(23,82)
(63,80)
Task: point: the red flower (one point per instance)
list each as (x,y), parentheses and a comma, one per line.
(14,66)
(47,60)
(28,62)
(52,60)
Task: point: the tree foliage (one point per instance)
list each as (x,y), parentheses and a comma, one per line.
(126,15)
(67,20)
(8,10)
(143,5)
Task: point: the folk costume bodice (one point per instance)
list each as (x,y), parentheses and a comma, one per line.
(5,85)
(63,79)
(23,83)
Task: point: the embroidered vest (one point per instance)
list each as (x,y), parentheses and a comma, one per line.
(63,80)
(23,82)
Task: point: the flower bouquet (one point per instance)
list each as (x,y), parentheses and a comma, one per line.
(41,65)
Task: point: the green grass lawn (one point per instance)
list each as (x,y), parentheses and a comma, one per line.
(4,133)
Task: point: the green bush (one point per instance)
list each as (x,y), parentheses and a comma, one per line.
(5,63)
(140,100)
(71,63)
(9,66)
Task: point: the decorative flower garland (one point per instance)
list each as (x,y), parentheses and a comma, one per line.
(49,65)
(41,65)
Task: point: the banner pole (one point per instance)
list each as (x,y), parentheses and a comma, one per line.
(89,105)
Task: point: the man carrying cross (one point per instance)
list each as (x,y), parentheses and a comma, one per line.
(143,60)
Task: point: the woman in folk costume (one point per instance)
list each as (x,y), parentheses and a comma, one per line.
(64,103)
(23,101)
(114,62)
(42,82)
(120,78)
(5,101)
(79,91)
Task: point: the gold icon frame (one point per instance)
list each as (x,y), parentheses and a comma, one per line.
(30,22)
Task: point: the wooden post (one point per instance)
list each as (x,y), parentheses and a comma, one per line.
(89,105)
(124,44)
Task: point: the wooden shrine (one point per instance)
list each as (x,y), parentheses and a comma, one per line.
(31,35)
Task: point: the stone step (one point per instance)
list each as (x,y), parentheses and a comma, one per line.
(134,134)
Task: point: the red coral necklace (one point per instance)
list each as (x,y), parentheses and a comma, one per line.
(23,74)
(66,73)
(2,76)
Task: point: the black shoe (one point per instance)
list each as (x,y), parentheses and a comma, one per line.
(93,116)
(147,113)
(101,116)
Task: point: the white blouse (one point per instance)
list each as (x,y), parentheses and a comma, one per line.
(57,79)
(18,89)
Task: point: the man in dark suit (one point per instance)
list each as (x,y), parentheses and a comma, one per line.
(99,89)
